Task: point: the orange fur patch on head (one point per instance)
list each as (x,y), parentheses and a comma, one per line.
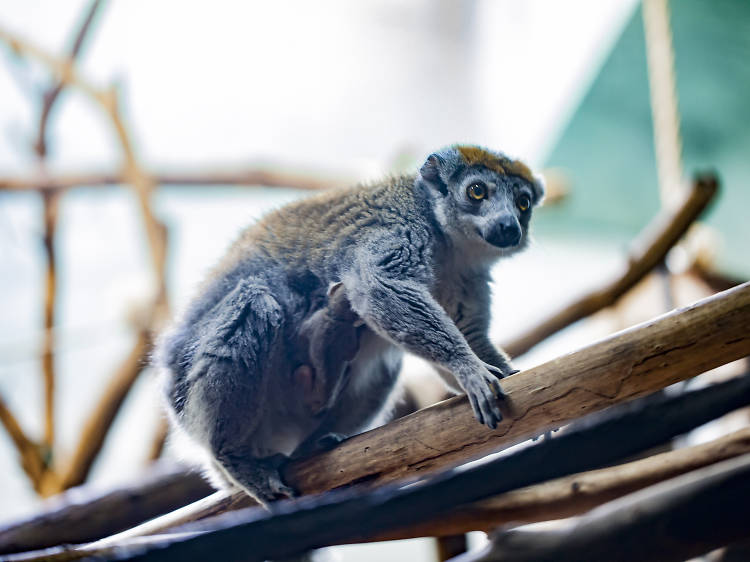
(475,156)
(518,168)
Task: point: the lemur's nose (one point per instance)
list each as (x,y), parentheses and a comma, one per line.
(506,232)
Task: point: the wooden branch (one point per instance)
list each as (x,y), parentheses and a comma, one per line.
(158,440)
(629,364)
(132,172)
(51,204)
(637,361)
(572,495)
(143,185)
(675,520)
(648,250)
(97,425)
(345,515)
(70,519)
(51,96)
(257,175)
(31,458)
(51,200)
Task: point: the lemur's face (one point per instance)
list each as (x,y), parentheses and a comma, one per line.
(483,197)
(491,207)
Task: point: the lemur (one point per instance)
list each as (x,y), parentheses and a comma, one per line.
(296,339)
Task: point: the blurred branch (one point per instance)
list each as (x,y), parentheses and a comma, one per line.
(716,280)
(267,176)
(158,440)
(51,201)
(37,459)
(132,172)
(647,251)
(674,520)
(100,420)
(51,95)
(98,425)
(31,458)
(86,513)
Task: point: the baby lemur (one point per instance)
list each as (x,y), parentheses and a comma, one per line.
(296,339)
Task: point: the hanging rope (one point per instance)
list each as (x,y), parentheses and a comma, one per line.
(666,119)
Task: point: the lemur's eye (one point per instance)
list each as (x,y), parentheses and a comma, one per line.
(477,191)
(523,202)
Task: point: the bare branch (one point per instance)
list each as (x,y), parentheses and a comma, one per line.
(51,204)
(341,516)
(648,250)
(97,426)
(671,521)
(629,364)
(31,458)
(50,97)
(572,495)
(68,518)
(256,175)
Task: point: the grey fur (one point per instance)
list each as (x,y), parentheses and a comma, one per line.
(408,258)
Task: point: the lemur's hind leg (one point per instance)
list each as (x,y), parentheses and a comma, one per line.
(227,390)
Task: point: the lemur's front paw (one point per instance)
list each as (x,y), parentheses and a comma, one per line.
(483,390)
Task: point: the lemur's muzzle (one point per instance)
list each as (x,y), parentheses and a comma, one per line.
(506,232)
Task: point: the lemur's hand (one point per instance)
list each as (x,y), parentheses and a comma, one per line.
(483,389)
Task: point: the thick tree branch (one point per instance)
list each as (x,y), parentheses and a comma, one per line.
(69,518)
(572,495)
(635,362)
(647,251)
(346,515)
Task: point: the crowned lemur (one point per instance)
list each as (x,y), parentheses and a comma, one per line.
(296,339)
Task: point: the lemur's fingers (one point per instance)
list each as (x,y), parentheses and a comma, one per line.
(475,408)
(281,490)
(483,392)
(498,372)
(496,388)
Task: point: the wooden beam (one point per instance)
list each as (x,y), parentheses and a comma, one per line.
(671,521)
(576,494)
(71,519)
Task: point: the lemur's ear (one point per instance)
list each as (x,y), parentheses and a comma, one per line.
(539,190)
(430,172)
